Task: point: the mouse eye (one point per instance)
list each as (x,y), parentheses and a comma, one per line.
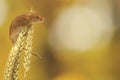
(37,17)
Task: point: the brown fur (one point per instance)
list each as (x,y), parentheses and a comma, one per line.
(21,22)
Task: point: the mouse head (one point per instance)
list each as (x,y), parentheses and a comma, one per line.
(34,17)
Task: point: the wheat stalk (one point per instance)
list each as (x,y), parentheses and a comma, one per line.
(17,62)
(28,52)
(12,66)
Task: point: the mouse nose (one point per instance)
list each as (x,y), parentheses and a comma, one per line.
(41,19)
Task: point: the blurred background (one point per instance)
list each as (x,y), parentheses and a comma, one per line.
(79,39)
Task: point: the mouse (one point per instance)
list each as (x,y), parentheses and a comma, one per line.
(22,21)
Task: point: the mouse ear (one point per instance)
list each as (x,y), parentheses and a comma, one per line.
(32,10)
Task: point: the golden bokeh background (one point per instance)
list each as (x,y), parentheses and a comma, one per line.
(79,39)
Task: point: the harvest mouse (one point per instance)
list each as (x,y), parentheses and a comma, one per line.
(22,21)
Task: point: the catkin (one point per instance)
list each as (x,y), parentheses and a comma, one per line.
(28,52)
(12,66)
